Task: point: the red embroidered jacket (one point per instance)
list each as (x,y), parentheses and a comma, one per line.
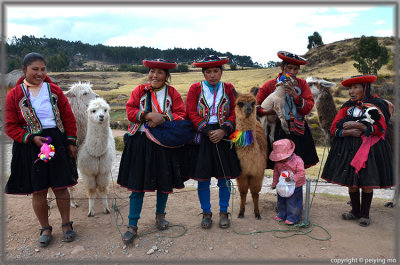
(22,124)
(199,112)
(174,108)
(304,101)
(343,112)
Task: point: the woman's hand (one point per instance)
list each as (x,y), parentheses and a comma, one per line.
(268,112)
(289,88)
(154,119)
(352,132)
(39,141)
(73,150)
(216,135)
(354,125)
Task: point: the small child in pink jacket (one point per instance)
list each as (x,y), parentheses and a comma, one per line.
(291,208)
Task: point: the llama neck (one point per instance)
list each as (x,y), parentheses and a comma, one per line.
(97,138)
(246,124)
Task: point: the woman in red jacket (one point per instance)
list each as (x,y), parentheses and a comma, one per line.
(145,165)
(298,103)
(36,108)
(360,157)
(210,105)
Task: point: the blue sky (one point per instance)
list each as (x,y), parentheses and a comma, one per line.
(255,30)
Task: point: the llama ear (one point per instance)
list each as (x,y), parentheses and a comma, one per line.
(68,94)
(328,84)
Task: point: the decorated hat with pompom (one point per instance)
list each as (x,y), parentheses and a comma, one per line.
(211,61)
(292,58)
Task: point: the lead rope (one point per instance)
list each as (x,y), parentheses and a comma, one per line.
(296,230)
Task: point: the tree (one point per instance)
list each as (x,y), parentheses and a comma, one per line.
(370,56)
(271,64)
(314,40)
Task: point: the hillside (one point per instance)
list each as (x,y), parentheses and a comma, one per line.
(332,62)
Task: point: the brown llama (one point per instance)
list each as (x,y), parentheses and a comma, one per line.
(324,103)
(251,152)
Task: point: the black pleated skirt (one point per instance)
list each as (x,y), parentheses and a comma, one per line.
(29,174)
(378,172)
(146,166)
(203,161)
(305,146)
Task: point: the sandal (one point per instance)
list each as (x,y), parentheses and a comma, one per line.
(289,222)
(223,220)
(161,222)
(128,237)
(69,235)
(365,221)
(44,240)
(350,216)
(206,222)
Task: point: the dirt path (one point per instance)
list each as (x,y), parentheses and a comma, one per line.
(98,237)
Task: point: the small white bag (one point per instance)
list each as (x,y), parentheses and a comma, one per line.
(286,188)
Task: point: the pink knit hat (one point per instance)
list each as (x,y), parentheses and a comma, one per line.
(282,149)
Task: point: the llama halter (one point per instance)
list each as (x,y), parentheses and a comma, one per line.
(242,138)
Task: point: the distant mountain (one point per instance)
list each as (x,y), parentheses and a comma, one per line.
(70,55)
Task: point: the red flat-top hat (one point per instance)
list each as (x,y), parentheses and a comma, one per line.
(160,63)
(211,61)
(292,58)
(359,79)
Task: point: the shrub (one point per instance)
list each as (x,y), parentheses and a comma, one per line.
(119,143)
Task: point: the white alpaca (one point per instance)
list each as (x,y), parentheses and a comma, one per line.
(276,101)
(96,154)
(79,95)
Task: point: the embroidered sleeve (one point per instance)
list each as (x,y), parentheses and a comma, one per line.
(133,111)
(305,102)
(12,126)
(192,99)
(66,114)
(340,115)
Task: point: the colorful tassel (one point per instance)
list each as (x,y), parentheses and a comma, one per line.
(241,138)
(284,77)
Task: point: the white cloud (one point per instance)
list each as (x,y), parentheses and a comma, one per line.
(330,36)
(384,33)
(257,31)
(350,9)
(379,22)
(19,30)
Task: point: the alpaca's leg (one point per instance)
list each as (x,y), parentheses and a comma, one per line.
(103,193)
(243,188)
(272,132)
(255,187)
(90,182)
(91,193)
(395,199)
(73,203)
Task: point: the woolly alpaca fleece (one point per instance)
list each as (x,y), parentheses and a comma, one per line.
(324,103)
(276,101)
(97,152)
(252,158)
(79,95)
